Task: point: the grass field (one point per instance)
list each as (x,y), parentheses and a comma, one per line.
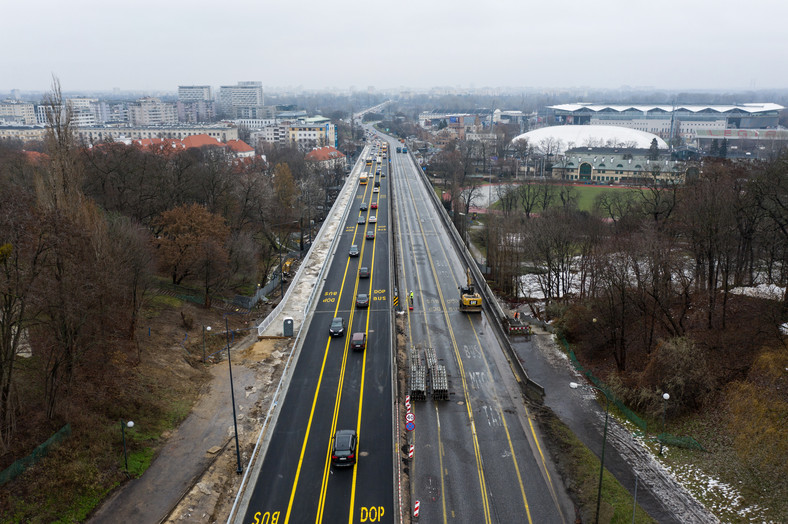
(589,194)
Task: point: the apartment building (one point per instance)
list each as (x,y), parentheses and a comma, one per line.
(244,100)
(14,111)
(151,111)
(84,112)
(195,104)
(194,93)
(221,132)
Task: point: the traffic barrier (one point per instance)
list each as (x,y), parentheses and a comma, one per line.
(519,330)
(410,451)
(416,509)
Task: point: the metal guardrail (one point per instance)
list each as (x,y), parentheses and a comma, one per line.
(532,389)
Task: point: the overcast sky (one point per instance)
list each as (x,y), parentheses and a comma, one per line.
(158,45)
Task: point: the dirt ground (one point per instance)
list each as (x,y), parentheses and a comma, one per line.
(213,493)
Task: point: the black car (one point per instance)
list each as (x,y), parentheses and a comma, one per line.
(353,251)
(371,234)
(362,219)
(343,452)
(363,206)
(363,272)
(337,328)
(377,184)
(362,300)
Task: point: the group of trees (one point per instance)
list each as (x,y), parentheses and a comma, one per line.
(85,231)
(651,264)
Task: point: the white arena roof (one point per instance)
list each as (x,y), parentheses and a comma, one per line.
(567,137)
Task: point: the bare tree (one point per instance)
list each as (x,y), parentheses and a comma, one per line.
(23,252)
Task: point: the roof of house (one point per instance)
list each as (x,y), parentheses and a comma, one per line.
(239,146)
(160,143)
(322,154)
(200,141)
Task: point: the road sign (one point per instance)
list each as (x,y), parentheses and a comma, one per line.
(410,426)
(410,417)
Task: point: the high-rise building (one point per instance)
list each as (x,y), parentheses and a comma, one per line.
(150,111)
(244,100)
(195,104)
(194,93)
(17,112)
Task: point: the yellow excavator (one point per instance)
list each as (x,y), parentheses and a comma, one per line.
(470,299)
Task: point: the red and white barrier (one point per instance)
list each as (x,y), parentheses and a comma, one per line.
(410,451)
(416,509)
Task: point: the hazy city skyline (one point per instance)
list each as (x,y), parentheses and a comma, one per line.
(150,46)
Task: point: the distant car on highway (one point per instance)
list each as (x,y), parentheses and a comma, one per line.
(362,219)
(376,190)
(373,219)
(337,328)
(363,206)
(363,272)
(371,234)
(343,451)
(374,205)
(353,252)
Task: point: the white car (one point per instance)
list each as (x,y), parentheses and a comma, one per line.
(376,190)
(373,219)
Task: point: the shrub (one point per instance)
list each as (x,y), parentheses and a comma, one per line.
(681,369)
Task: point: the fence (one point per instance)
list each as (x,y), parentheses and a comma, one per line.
(665,438)
(15,469)
(628,413)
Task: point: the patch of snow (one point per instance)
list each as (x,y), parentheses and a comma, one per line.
(767,291)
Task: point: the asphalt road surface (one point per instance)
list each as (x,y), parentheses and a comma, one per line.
(333,387)
(478,456)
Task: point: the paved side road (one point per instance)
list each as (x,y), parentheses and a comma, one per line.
(659,494)
(185,457)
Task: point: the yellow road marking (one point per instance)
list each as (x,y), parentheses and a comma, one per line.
(429,342)
(468,407)
(361,394)
(317,392)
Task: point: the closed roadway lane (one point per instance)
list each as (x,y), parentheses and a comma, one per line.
(478,457)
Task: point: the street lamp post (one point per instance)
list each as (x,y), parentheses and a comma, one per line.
(665,397)
(123,427)
(281,273)
(239,470)
(204,329)
(575,385)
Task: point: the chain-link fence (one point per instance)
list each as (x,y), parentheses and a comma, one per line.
(665,438)
(15,469)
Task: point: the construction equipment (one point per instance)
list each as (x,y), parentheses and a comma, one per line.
(470,299)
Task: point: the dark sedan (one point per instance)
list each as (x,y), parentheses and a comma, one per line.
(362,300)
(343,452)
